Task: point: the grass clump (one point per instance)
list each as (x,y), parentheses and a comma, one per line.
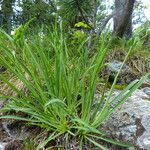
(60,86)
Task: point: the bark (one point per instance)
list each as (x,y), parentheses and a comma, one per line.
(123,18)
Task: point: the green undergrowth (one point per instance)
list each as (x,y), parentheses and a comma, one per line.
(59,87)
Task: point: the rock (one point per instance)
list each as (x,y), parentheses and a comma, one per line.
(146,90)
(131,123)
(115,66)
(126,74)
(144,140)
(2,145)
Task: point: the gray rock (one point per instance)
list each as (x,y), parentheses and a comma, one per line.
(126,74)
(114,67)
(132,121)
(146,90)
(144,140)
(2,146)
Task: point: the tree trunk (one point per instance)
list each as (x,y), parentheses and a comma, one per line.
(123,18)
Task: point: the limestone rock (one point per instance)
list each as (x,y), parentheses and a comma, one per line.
(126,74)
(132,121)
(146,90)
(2,145)
(115,66)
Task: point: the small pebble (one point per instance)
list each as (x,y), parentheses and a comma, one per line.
(146,90)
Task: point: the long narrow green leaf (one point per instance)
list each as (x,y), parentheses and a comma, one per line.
(53,136)
(119,143)
(97,144)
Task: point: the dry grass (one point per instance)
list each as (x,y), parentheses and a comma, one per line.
(139,62)
(6,89)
